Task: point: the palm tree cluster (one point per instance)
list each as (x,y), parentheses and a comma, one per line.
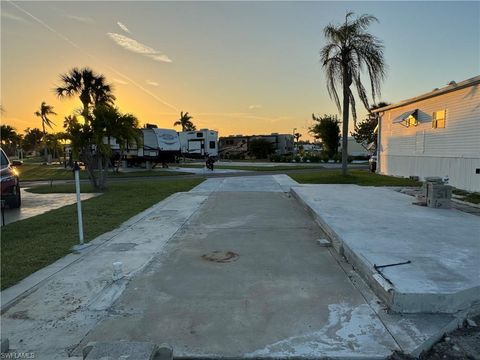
(102,121)
(185,122)
(350,52)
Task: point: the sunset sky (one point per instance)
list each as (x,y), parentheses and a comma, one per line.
(237,67)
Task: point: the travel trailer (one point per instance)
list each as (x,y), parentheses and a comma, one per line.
(159,146)
(166,146)
(198,144)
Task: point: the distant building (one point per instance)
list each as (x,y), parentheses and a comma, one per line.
(310,147)
(354,148)
(434,134)
(237,145)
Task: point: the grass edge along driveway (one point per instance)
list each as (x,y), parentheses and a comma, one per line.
(31,244)
(357,177)
(38,172)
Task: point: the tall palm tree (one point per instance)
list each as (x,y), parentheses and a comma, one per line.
(350,51)
(186,122)
(43,113)
(90,87)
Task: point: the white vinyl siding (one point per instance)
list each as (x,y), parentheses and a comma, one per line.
(422,150)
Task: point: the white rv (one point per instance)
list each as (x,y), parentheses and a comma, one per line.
(159,146)
(198,144)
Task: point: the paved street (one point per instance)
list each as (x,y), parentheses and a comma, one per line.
(36,204)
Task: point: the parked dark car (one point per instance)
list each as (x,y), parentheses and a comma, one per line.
(10,181)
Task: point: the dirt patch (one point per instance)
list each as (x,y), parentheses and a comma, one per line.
(20,315)
(221,257)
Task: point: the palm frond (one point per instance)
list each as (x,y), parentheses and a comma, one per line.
(351,47)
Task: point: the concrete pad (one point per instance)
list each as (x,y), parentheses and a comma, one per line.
(281,295)
(36,204)
(216,274)
(380,226)
(261,183)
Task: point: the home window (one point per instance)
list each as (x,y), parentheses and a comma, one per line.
(411,121)
(438,119)
(212,144)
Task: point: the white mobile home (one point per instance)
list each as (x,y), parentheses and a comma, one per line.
(434,134)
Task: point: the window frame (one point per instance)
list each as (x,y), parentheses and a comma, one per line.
(435,119)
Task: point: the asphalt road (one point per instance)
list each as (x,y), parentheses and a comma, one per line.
(25,184)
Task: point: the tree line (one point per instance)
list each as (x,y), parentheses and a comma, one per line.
(89,130)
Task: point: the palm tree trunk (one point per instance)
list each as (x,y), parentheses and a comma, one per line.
(45,152)
(346,109)
(85,112)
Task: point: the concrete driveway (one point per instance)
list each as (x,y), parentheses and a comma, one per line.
(230,269)
(246,278)
(36,204)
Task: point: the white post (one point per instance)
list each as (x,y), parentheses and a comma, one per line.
(79,203)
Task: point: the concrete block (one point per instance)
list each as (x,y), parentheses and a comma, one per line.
(471,323)
(324,242)
(125,350)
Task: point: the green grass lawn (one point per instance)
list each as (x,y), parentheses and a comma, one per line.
(29,245)
(358,177)
(471,197)
(29,172)
(256,168)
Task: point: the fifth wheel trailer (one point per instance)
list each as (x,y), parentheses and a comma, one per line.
(159,146)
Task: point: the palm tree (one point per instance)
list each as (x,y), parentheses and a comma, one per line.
(9,139)
(297,136)
(350,51)
(90,87)
(186,122)
(43,113)
(107,122)
(7,134)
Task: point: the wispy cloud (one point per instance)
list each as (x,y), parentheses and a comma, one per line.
(13,17)
(59,34)
(152,83)
(255,106)
(82,19)
(120,81)
(123,27)
(240,115)
(139,48)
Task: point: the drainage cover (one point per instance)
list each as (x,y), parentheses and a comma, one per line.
(220,256)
